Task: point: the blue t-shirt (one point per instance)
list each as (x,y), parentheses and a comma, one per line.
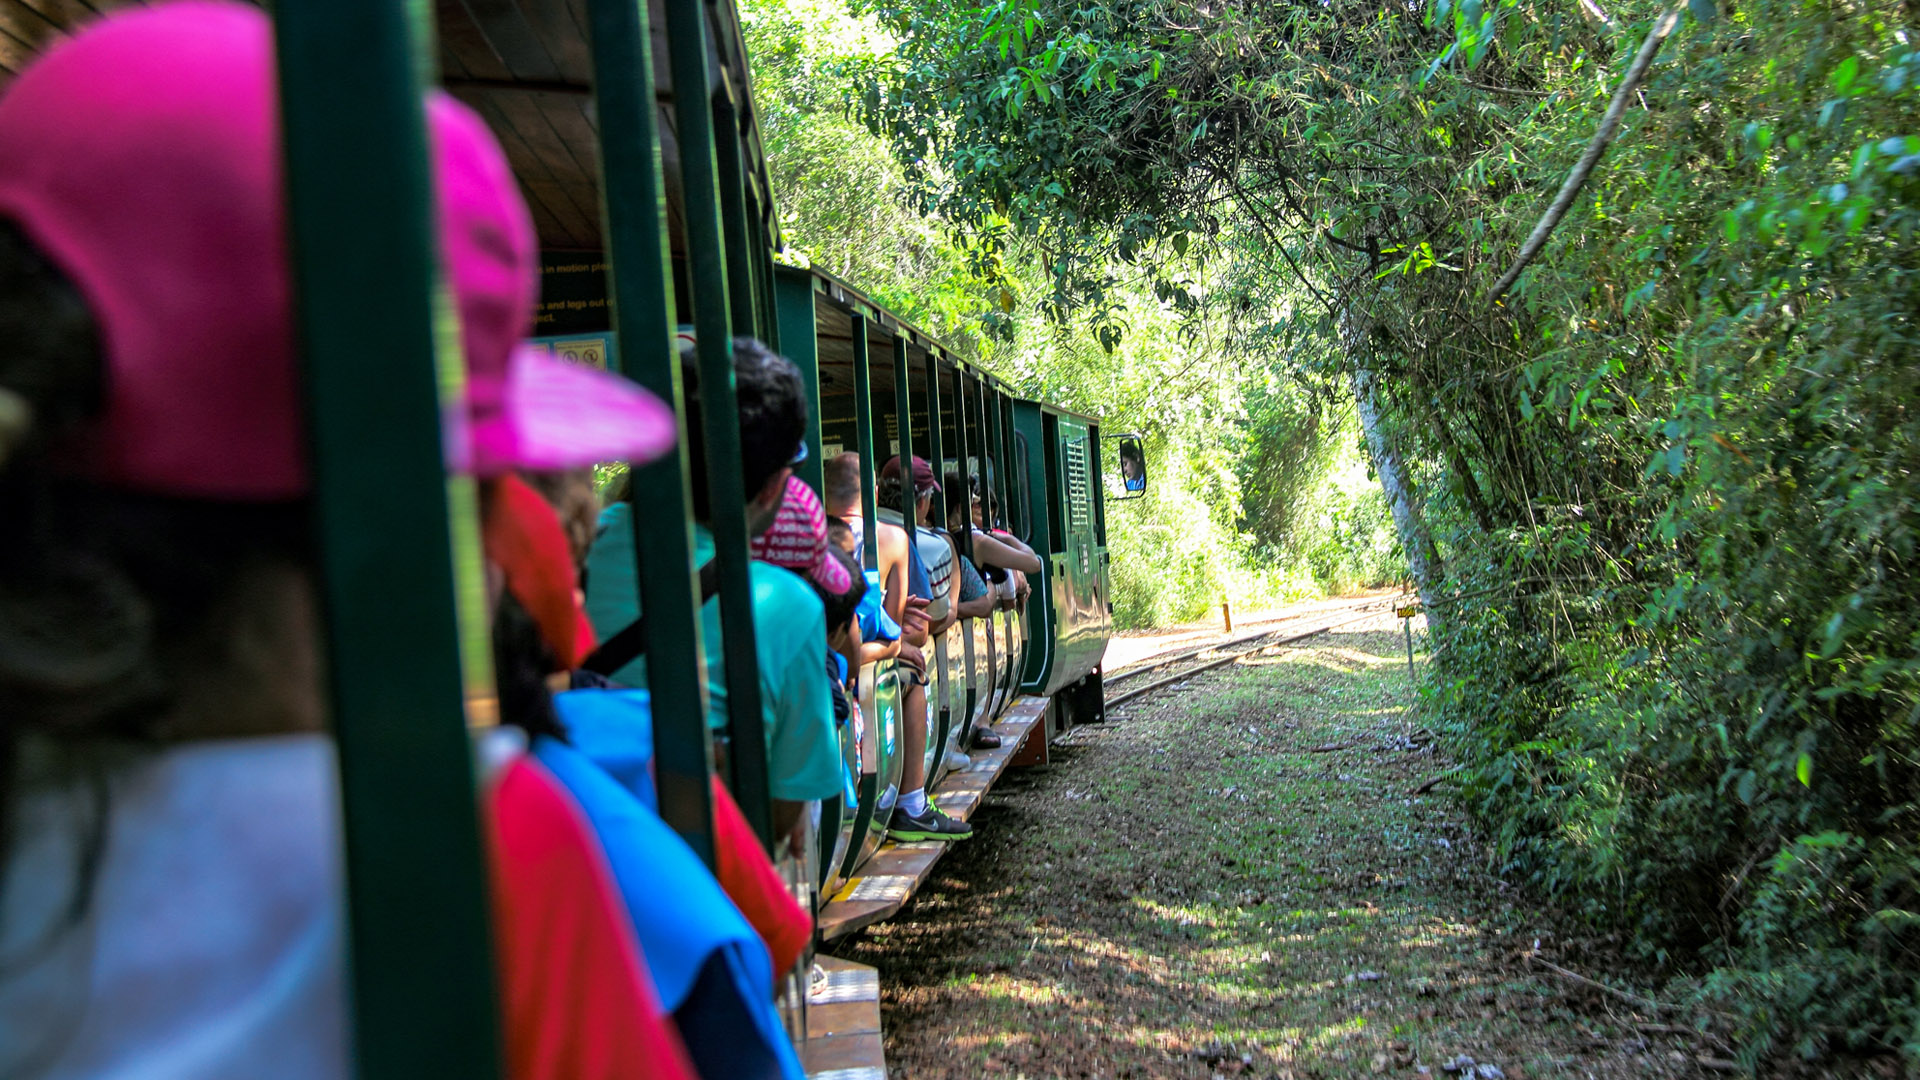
(971,586)
(709,966)
(790,636)
(875,623)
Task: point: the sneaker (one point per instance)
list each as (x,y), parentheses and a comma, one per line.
(957,761)
(932,825)
(985,740)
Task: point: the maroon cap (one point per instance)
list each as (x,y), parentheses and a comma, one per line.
(924,482)
(797,540)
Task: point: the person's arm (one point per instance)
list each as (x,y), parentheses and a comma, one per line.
(1012,541)
(989,550)
(914,623)
(977,608)
(890,548)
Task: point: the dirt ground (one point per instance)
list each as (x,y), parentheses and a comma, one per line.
(1234,880)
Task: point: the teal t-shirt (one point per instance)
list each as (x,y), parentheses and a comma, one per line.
(790,636)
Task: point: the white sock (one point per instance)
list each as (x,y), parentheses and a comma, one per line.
(914,802)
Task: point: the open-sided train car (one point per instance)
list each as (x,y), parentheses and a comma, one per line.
(656,222)
(869,368)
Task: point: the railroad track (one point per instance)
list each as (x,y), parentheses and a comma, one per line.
(1192,662)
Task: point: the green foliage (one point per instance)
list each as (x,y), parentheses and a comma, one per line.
(850,206)
(1672,476)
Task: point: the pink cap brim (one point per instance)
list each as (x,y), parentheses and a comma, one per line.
(830,574)
(564,416)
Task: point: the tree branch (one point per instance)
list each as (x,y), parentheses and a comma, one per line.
(1609,124)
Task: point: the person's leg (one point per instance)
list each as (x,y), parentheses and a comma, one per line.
(914,817)
(913,775)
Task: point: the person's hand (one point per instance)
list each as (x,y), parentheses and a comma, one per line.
(912,657)
(913,617)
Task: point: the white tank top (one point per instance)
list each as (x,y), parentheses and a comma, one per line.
(211,947)
(936,554)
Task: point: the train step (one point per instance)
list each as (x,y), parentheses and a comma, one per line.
(889,879)
(843,1023)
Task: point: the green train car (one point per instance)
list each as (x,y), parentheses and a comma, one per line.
(1068,632)
(634,137)
(875,381)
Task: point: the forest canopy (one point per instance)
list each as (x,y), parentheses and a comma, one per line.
(1659,494)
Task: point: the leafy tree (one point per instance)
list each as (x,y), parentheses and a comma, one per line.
(1661,494)
(848,205)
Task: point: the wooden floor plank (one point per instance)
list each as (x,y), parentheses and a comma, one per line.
(897,871)
(843,1023)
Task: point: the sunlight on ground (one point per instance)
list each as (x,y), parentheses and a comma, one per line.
(1195,892)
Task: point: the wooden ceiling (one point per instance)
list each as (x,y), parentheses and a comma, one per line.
(524,65)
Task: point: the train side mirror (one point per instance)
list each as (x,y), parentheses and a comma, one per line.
(1133,466)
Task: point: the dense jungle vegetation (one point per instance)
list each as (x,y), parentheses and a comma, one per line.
(1260,489)
(1658,490)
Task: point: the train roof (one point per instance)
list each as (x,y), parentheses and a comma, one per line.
(525,66)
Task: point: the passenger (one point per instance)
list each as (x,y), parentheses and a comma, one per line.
(909,599)
(572,495)
(798,541)
(879,634)
(900,581)
(842,607)
(803,752)
(843,620)
(1003,557)
(171,888)
(917,818)
(711,967)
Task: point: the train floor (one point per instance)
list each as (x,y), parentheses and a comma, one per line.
(1233,879)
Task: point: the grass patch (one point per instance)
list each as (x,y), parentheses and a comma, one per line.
(1193,891)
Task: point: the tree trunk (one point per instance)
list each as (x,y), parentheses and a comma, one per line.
(1423,558)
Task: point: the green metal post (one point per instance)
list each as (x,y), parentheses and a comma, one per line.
(380,356)
(769,288)
(863,434)
(1010,483)
(903,407)
(990,401)
(719,413)
(800,343)
(742,288)
(963,452)
(640,285)
(934,448)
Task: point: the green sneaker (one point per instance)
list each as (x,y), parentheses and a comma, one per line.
(931,825)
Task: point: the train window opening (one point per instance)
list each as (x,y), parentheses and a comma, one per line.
(1132,454)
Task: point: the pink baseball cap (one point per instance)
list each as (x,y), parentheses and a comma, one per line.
(525,409)
(143,157)
(797,540)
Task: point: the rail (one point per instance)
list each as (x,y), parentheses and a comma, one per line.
(1354,615)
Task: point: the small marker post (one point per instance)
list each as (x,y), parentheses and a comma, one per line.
(1406,621)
